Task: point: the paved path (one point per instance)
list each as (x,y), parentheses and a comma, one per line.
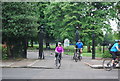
(46,69)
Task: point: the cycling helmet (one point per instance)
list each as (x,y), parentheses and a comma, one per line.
(118,40)
(79,40)
(59,43)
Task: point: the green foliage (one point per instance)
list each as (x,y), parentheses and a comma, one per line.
(62,19)
(98,49)
(19,20)
(32,48)
(117,35)
(107,55)
(117,7)
(4,54)
(19,24)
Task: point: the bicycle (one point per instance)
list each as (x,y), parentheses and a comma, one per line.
(58,61)
(77,55)
(107,63)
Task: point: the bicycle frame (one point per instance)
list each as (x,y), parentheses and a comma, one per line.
(78,51)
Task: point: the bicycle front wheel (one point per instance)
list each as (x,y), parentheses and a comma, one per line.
(107,64)
(56,62)
(59,64)
(76,58)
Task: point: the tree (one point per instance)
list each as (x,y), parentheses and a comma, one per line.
(63,18)
(19,25)
(43,22)
(118,18)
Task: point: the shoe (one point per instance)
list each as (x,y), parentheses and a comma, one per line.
(58,64)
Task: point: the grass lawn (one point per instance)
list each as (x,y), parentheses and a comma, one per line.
(84,54)
(70,50)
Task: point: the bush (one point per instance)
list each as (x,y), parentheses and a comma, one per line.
(107,55)
(99,49)
(4,54)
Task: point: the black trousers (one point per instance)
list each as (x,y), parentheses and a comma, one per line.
(78,50)
(114,54)
(56,54)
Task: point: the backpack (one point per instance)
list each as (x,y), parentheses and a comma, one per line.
(110,46)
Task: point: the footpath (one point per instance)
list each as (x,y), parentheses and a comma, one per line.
(32,61)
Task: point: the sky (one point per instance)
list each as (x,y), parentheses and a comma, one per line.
(113,25)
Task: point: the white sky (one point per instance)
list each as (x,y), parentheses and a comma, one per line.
(113,25)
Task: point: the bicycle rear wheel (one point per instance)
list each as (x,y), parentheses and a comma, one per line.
(80,58)
(107,64)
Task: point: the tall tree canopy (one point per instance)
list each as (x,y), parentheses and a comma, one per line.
(19,23)
(62,18)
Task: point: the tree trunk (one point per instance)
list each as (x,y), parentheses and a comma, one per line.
(25,48)
(31,43)
(103,49)
(100,49)
(47,45)
(89,49)
(9,51)
(56,44)
(27,44)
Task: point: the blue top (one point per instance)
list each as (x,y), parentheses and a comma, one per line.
(79,45)
(114,49)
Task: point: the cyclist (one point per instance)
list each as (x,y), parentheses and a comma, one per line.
(79,45)
(59,49)
(114,51)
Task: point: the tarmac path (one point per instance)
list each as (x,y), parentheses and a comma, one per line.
(69,69)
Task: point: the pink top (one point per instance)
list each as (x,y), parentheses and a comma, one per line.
(59,49)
